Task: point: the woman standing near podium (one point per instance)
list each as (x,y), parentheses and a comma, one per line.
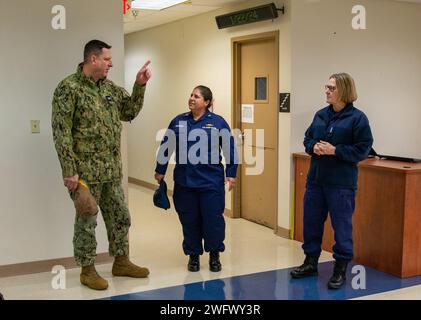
(337,139)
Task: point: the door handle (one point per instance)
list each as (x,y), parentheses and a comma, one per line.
(264,148)
(241,139)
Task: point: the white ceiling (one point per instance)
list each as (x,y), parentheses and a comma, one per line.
(150,18)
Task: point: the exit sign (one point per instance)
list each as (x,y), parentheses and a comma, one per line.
(251,15)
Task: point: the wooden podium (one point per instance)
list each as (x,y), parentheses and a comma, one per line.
(387,217)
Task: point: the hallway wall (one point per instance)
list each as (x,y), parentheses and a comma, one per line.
(36,212)
(384,60)
(316,40)
(189,52)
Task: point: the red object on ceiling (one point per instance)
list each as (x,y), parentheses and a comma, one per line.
(126,6)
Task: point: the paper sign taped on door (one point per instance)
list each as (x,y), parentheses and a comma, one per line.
(247,113)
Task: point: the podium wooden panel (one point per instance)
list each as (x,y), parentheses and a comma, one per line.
(387,217)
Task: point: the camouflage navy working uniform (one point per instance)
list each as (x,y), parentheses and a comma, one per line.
(86,130)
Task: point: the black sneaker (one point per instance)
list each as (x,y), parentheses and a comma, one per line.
(194,263)
(214,263)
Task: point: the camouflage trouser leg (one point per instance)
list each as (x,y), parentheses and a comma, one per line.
(110,198)
(116,217)
(84,241)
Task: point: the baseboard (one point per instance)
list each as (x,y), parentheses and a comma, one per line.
(147,185)
(20,269)
(142,183)
(228,213)
(282,232)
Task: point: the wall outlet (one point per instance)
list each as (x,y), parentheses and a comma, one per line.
(35,127)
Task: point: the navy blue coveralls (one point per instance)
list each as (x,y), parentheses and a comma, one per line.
(332,179)
(199,193)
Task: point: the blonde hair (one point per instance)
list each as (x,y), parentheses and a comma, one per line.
(346,87)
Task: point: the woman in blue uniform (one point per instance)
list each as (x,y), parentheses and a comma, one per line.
(198,137)
(337,139)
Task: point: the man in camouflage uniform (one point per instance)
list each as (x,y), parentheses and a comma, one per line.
(86,112)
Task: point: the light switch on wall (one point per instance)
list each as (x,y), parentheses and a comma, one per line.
(35,127)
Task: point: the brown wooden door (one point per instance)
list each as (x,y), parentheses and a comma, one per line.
(258,96)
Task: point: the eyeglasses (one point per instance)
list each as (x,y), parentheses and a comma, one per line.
(330,88)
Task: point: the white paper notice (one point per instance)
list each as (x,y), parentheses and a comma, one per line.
(247,113)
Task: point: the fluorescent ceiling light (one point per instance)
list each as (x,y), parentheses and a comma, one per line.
(154,4)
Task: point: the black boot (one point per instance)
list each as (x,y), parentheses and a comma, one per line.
(214,263)
(194,263)
(307,269)
(338,278)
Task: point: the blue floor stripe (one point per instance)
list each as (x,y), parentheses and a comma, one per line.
(277,285)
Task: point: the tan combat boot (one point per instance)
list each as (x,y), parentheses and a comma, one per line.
(122,267)
(90,278)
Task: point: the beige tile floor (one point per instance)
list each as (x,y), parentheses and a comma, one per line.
(155,242)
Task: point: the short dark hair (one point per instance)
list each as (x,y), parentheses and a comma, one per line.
(94,47)
(206,94)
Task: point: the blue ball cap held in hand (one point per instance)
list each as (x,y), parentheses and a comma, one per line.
(160,198)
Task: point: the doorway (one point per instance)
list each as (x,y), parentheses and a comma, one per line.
(255,110)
